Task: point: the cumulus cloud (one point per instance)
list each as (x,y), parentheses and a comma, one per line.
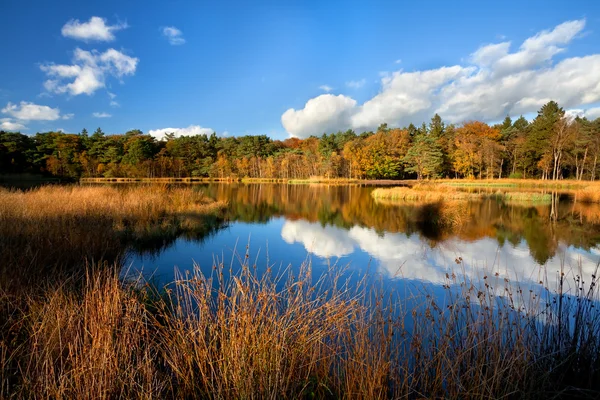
(326,88)
(191,130)
(7,124)
(495,82)
(324,113)
(95,29)
(173,35)
(356,84)
(403,93)
(101,115)
(31,112)
(89,71)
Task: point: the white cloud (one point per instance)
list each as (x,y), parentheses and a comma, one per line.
(495,83)
(592,113)
(326,88)
(31,112)
(398,61)
(95,29)
(402,94)
(6,124)
(489,54)
(191,130)
(574,113)
(356,84)
(113,102)
(101,115)
(68,116)
(173,35)
(88,72)
(324,113)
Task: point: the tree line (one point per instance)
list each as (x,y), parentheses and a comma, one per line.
(552,146)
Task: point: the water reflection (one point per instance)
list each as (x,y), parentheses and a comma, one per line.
(401,240)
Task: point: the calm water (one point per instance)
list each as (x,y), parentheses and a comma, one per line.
(286,225)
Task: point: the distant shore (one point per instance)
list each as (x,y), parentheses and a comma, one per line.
(503,182)
(337,181)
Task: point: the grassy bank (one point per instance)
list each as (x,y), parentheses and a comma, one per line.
(313,180)
(466,183)
(293,336)
(61,227)
(519,183)
(437,193)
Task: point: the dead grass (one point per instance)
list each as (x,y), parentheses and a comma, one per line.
(589,194)
(421,193)
(298,336)
(62,227)
(519,183)
(281,334)
(440,193)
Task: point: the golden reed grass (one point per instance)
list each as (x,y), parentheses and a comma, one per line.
(285,335)
(438,193)
(278,334)
(58,227)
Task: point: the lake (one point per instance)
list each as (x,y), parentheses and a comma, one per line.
(403,297)
(287,225)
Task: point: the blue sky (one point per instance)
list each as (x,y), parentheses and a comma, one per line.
(286,67)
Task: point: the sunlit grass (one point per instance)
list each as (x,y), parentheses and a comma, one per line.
(434,193)
(285,335)
(63,226)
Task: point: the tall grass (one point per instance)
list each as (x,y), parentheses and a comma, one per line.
(285,335)
(235,333)
(61,227)
(521,183)
(437,193)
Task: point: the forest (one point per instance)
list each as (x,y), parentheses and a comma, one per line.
(554,145)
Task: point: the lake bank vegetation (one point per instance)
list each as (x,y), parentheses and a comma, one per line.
(72,327)
(440,193)
(551,147)
(285,335)
(59,227)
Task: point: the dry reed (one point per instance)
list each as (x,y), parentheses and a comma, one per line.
(438,193)
(244,335)
(281,334)
(61,227)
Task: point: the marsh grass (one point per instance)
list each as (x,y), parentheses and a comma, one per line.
(440,193)
(520,183)
(590,194)
(55,228)
(286,334)
(237,333)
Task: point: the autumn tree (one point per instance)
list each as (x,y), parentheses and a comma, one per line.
(477,149)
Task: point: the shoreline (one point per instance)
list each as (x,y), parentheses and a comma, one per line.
(464,183)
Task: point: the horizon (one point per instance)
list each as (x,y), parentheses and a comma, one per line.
(299,70)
